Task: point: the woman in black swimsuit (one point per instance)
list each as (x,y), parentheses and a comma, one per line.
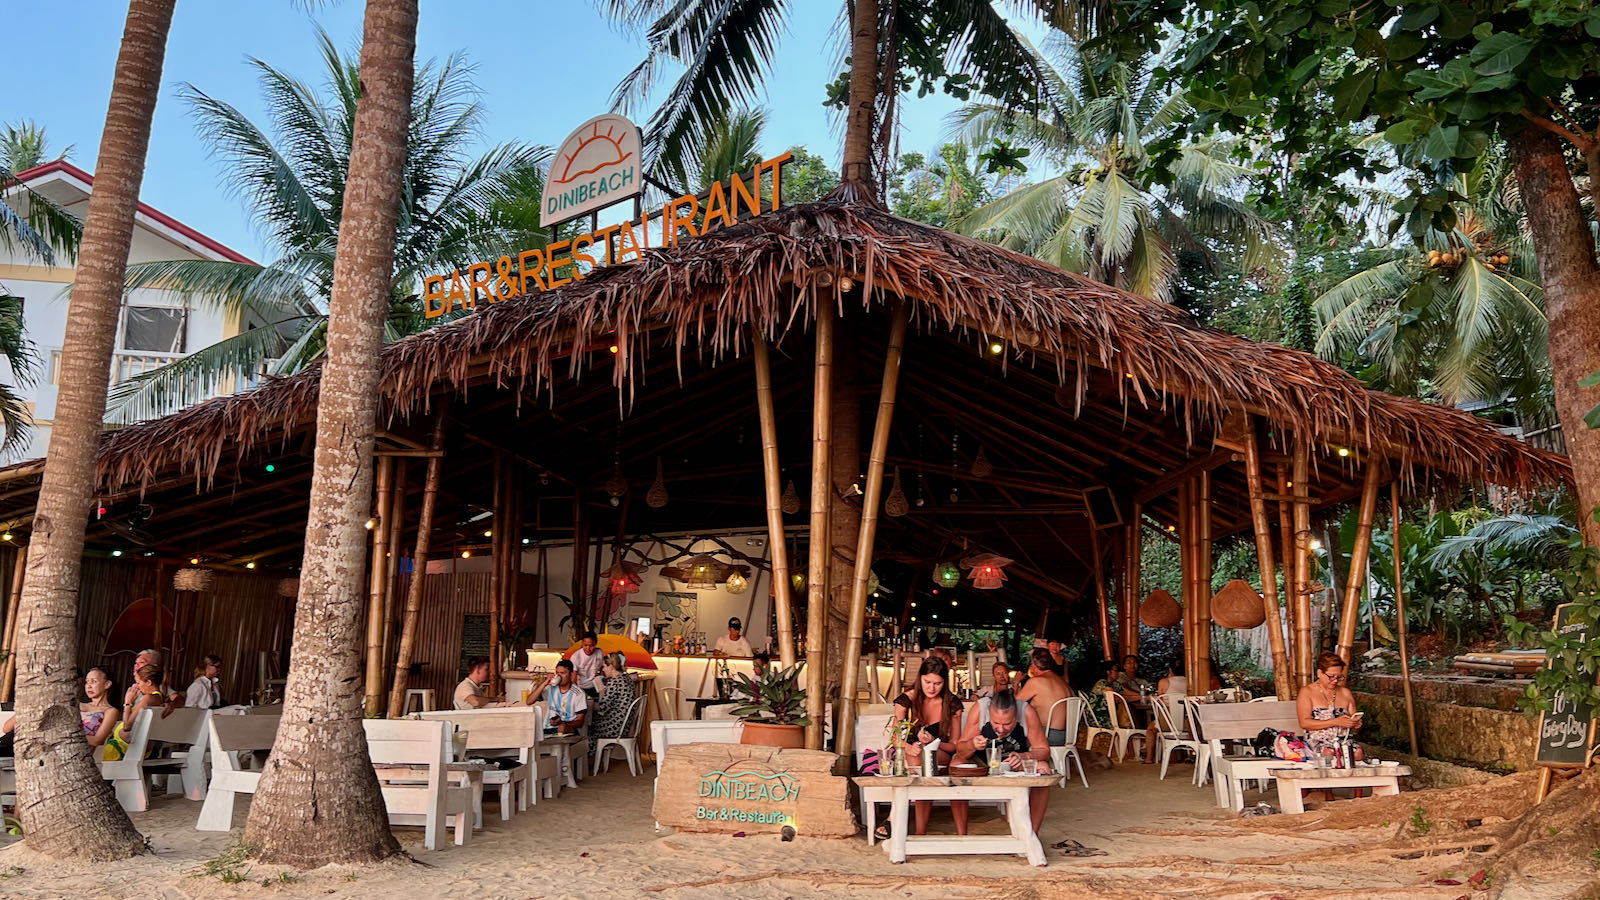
(937,713)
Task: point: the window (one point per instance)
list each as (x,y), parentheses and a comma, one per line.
(156,329)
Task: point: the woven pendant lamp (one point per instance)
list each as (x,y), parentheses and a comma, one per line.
(192,579)
(1238,605)
(1160,610)
(895,504)
(791,499)
(981,467)
(657,496)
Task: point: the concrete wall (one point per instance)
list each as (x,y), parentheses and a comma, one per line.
(1473,723)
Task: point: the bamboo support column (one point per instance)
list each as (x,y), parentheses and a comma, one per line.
(419,568)
(782,606)
(1286,559)
(497,579)
(1186,566)
(1202,597)
(391,594)
(1400,614)
(1132,562)
(580,563)
(8,675)
(871,502)
(1100,592)
(1269,575)
(1350,612)
(378,584)
(1305,644)
(821,502)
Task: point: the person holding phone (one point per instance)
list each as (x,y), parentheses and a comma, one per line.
(937,713)
(1327,708)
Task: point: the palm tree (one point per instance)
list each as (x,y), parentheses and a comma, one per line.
(726,48)
(294,176)
(319,801)
(732,145)
(1459,315)
(40,227)
(66,808)
(1115,212)
(18,353)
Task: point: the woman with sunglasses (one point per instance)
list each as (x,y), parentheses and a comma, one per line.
(1327,708)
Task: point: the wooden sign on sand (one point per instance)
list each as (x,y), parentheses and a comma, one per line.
(727,788)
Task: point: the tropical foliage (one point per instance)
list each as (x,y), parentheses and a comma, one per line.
(292,174)
(1458,315)
(1112,211)
(725,49)
(29,220)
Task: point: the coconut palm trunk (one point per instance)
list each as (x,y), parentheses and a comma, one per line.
(318,801)
(1571,275)
(856,166)
(65,807)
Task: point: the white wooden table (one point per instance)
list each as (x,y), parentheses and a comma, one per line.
(563,744)
(1384,781)
(1013,789)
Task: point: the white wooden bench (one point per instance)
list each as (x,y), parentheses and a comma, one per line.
(1243,722)
(508,732)
(1384,780)
(666,732)
(406,749)
(184,729)
(231,736)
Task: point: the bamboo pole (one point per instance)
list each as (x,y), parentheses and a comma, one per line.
(781,601)
(1305,645)
(871,502)
(419,568)
(1287,563)
(377,585)
(1100,592)
(8,678)
(1130,615)
(1400,612)
(1357,575)
(580,563)
(1184,493)
(391,594)
(821,501)
(1202,651)
(1269,575)
(497,579)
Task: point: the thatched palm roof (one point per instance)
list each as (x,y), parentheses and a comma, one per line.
(704,297)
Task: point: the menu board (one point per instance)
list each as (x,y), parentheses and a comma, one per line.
(474,641)
(1566,729)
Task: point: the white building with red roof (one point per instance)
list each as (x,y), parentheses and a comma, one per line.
(153,328)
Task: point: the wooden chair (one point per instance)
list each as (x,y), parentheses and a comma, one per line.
(1062,756)
(628,742)
(130,776)
(406,746)
(230,737)
(1122,734)
(503,732)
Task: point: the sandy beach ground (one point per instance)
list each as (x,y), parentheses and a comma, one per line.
(1161,838)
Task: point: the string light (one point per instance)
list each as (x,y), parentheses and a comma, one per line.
(1344,451)
(997,348)
(271,468)
(466,554)
(250,565)
(116,553)
(526,540)
(194,560)
(613,348)
(489,533)
(7,536)
(1316,544)
(371,524)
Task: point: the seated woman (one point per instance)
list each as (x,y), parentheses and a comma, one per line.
(205,692)
(1327,709)
(618,690)
(97,714)
(936,714)
(147,695)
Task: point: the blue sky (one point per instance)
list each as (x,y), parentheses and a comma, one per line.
(543,68)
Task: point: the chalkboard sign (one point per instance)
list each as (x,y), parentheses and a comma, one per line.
(474,641)
(1566,730)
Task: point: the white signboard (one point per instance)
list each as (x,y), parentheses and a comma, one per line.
(596,166)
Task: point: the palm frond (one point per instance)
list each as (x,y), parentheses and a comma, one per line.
(15,419)
(43,229)
(1542,537)
(1346,310)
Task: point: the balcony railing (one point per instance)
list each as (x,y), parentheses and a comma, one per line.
(125,364)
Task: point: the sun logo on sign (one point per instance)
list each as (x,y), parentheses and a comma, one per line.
(594,151)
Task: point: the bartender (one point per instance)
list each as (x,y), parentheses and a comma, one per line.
(734,643)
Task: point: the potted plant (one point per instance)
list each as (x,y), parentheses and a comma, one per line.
(774,712)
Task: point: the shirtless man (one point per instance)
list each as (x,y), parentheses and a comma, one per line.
(1044,687)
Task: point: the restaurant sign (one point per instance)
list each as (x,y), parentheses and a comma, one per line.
(590,173)
(597,165)
(744,787)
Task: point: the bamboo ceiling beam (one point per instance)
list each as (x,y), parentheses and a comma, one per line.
(1172,479)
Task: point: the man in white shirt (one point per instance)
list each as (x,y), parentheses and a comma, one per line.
(586,662)
(734,643)
(473,691)
(567,703)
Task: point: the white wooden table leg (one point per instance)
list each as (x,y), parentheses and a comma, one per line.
(1290,799)
(1022,827)
(899,826)
(1387,789)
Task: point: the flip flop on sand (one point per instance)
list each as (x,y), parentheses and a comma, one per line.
(881,832)
(1073,848)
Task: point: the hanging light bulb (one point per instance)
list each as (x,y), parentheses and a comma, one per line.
(737,583)
(371,524)
(249,565)
(466,554)
(116,553)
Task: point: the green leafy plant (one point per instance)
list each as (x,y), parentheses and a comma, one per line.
(1574,662)
(1419,819)
(9,871)
(777,699)
(231,866)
